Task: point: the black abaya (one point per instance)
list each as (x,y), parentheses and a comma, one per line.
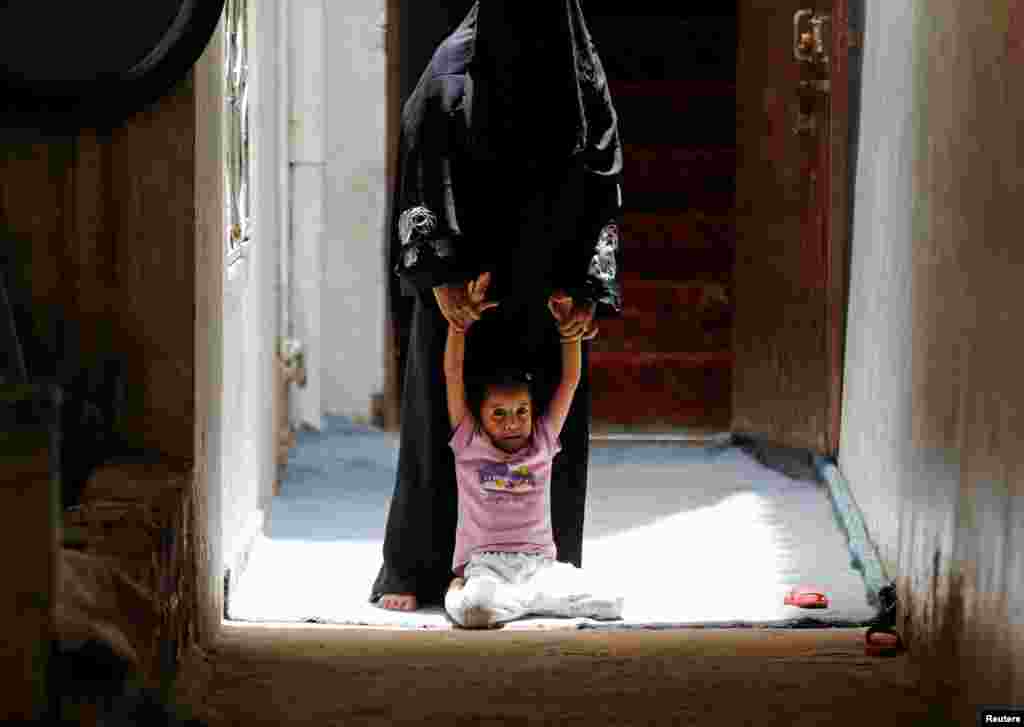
(483,187)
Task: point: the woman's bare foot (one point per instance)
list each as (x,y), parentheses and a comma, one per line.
(398,602)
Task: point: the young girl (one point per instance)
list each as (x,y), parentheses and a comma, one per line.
(504,561)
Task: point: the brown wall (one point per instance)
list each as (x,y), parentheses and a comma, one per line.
(119,232)
(932,429)
(103,224)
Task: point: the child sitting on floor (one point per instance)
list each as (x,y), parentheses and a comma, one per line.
(504,561)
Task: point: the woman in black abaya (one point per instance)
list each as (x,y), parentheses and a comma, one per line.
(510,162)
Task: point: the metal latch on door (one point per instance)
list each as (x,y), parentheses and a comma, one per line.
(811,38)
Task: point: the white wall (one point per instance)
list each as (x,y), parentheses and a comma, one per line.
(876,419)
(338,200)
(337,293)
(932,424)
(353,291)
(250,313)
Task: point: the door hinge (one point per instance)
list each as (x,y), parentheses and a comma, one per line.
(805,125)
(817,86)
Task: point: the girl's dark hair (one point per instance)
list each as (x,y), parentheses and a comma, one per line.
(480,384)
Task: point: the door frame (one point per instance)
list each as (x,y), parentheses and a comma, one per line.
(838,229)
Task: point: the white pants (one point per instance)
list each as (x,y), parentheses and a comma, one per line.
(513,585)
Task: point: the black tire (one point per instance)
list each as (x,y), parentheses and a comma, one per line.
(65,103)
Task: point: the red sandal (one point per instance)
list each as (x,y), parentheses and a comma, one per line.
(806,597)
(885,642)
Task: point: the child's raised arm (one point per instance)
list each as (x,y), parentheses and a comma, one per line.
(454,356)
(560,306)
(455,351)
(558,410)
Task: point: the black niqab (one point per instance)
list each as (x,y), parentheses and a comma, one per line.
(538,87)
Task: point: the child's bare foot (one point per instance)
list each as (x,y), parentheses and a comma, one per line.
(478,617)
(398,602)
(475,617)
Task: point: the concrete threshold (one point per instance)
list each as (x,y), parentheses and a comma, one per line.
(322,675)
(339,640)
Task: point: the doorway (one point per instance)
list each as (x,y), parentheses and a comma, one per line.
(666,366)
(734,260)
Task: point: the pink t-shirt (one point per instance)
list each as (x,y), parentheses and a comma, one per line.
(503,498)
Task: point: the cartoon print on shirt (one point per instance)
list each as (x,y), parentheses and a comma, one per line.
(499,477)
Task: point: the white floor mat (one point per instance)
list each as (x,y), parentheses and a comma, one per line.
(687,535)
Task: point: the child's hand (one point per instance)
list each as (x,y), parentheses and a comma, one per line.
(477,293)
(560,305)
(571,320)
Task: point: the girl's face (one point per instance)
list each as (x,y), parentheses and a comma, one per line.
(507,417)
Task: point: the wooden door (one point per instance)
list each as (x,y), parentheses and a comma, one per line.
(665,365)
(791,224)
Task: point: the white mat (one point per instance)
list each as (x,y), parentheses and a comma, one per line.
(689,536)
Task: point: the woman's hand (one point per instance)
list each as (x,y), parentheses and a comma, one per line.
(573,319)
(463,304)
